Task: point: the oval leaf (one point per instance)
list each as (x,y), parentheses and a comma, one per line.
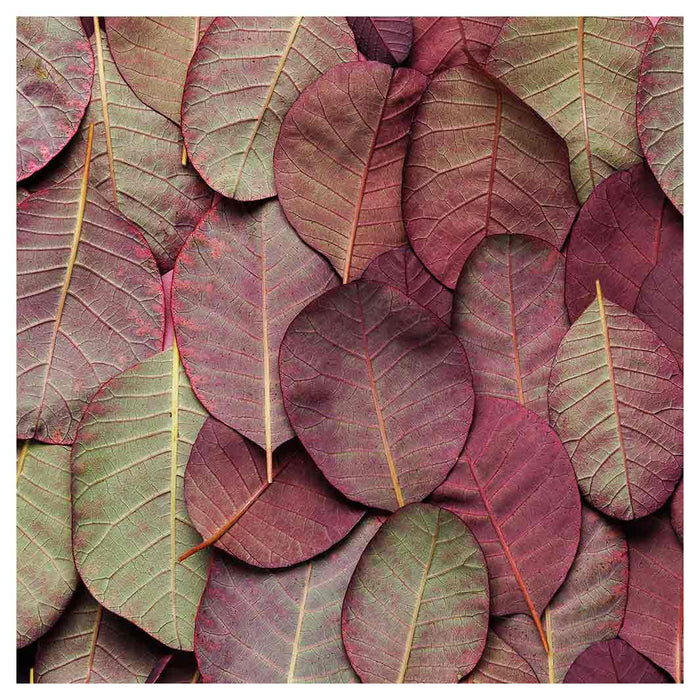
(677,511)
(232,504)
(402,269)
(129,516)
(654,618)
(515,489)
(379,392)
(91,645)
(241,278)
(89,304)
(244,76)
(480,162)
(55,68)
(613,661)
(152,55)
(385,39)
(616,401)
(257,626)
(339,159)
(416,609)
(46,575)
(580,74)
(660,106)
(510,315)
(500,663)
(589,607)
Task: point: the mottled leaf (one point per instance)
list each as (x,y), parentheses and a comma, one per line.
(152,55)
(677,510)
(233,505)
(379,392)
(339,159)
(515,489)
(616,401)
(257,626)
(239,281)
(416,609)
(46,575)
(402,269)
(92,645)
(613,661)
(500,663)
(654,618)
(244,76)
(480,162)
(129,515)
(510,315)
(660,106)
(580,74)
(589,607)
(385,39)
(55,67)
(89,304)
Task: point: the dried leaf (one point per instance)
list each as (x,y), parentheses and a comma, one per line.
(385,39)
(677,510)
(416,609)
(379,392)
(339,159)
(500,663)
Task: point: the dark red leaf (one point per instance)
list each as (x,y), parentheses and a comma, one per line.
(159,667)
(378,390)
(339,158)
(385,39)
(677,510)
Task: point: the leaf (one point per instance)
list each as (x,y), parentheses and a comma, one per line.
(257,626)
(613,661)
(510,315)
(91,645)
(385,39)
(480,163)
(625,231)
(181,668)
(654,618)
(515,489)
(580,74)
(677,510)
(232,504)
(616,401)
(660,106)
(89,304)
(378,390)
(152,55)
(54,77)
(339,158)
(139,167)
(235,100)
(500,663)
(240,279)
(46,575)
(589,606)
(159,666)
(129,516)
(401,268)
(416,609)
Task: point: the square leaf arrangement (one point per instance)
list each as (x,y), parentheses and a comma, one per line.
(350,349)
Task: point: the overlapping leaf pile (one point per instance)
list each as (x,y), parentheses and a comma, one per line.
(350,350)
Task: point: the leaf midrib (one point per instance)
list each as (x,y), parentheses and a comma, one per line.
(174,436)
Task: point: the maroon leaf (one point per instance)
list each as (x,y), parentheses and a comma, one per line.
(481,163)
(257,626)
(159,667)
(89,303)
(625,230)
(338,162)
(385,39)
(613,661)
(239,281)
(402,269)
(182,668)
(515,488)
(654,618)
(232,504)
(677,511)
(500,663)
(416,609)
(510,315)
(616,401)
(54,78)
(378,390)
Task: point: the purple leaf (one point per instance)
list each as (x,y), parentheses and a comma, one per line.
(385,39)
(677,510)
(500,663)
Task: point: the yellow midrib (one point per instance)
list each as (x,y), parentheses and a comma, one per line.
(267,409)
(300,625)
(514,331)
(174,436)
(582,90)
(93,642)
(22,456)
(550,651)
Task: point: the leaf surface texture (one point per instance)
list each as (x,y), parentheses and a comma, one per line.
(385,39)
